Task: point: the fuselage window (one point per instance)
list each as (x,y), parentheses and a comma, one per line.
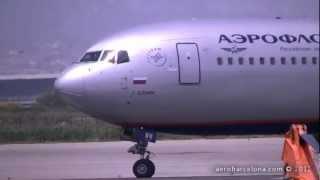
(283,60)
(230,61)
(314,60)
(219,60)
(304,60)
(123,57)
(272,61)
(261,60)
(241,60)
(91,56)
(251,60)
(293,60)
(109,56)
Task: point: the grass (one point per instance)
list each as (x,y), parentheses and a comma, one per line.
(52,126)
(51,121)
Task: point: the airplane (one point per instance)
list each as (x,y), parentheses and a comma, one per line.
(199,77)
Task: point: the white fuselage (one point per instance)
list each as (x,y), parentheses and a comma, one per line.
(203,74)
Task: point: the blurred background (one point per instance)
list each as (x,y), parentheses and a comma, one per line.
(39,38)
(45,36)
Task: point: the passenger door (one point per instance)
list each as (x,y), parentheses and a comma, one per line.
(189,63)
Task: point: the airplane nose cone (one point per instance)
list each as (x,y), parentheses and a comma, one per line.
(59,85)
(67,85)
(70,87)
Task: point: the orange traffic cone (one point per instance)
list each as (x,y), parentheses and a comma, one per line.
(298,155)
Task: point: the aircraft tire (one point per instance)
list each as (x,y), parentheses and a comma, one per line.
(143,168)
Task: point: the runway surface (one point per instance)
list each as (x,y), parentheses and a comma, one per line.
(266,177)
(225,159)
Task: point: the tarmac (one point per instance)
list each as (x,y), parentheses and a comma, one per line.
(201,159)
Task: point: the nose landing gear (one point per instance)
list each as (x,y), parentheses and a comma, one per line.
(143,168)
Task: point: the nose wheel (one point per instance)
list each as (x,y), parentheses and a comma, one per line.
(144,167)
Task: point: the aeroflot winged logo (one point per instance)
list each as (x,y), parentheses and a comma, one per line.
(234,49)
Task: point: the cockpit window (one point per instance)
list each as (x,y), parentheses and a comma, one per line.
(109,55)
(91,56)
(123,57)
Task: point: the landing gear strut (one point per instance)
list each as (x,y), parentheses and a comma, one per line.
(144,167)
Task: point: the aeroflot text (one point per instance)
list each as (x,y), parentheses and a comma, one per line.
(269,38)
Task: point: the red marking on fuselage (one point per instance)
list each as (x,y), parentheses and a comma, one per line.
(139,81)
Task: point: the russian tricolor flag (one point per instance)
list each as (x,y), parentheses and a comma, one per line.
(140,80)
